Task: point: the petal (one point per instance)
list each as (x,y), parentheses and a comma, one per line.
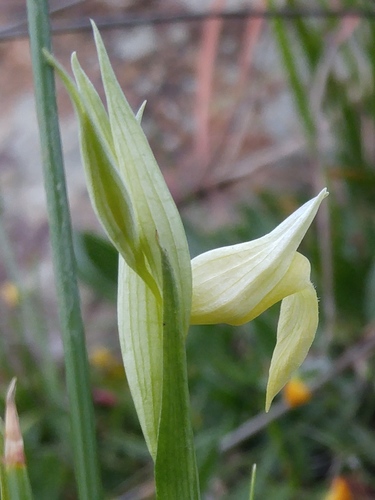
(295,279)
(295,333)
(230,283)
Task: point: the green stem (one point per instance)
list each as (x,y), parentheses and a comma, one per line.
(176,474)
(76,363)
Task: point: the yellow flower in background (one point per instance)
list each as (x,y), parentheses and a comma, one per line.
(102,359)
(10,293)
(235,284)
(296,393)
(339,490)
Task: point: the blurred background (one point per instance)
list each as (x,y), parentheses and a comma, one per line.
(249,115)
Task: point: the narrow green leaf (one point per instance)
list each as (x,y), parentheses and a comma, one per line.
(176,473)
(75,354)
(309,37)
(299,90)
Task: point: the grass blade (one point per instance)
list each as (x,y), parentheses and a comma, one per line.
(76,363)
(301,94)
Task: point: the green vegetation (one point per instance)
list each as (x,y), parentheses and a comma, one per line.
(298,451)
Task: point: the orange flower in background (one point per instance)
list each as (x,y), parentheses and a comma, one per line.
(296,393)
(339,490)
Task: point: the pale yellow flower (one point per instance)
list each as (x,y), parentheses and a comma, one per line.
(235,284)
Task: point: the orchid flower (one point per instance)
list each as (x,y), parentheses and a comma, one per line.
(233,284)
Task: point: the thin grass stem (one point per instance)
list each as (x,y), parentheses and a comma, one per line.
(76,362)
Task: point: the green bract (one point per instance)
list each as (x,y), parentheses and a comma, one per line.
(155,299)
